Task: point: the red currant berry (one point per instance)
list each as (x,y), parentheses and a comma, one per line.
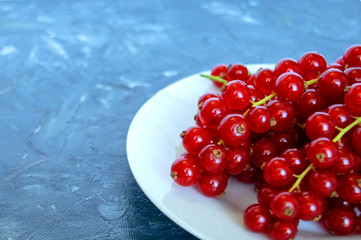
(213,158)
(283,139)
(265,80)
(259,119)
(185,170)
(236,95)
(250,174)
(286,65)
(312,64)
(322,152)
(332,83)
(352,56)
(323,182)
(289,86)
(237,72)
(237,159)
(310,102)
(213,184)
(285,206)
(283,230)
(263,150)
(219,71)
(353,75)
(340,221)
(257,219)
(255,94)
(205,97)
(212,112)
(277,172)
(335,65)
(266,194)
(350,188)
(340,115)
(234,129)
(345,162)
(340,61)
(356,140)
(311,206)
(320,124)
(250,80)
(296,159)
(195,138)
(283,114)
(353,98)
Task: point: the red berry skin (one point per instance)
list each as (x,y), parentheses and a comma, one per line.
(213,184)
(237,159)
(257,219)
(350,188)
(353,98)
(195,138)
(219,70)
(236,95)
(356,140)
(353,75)
(277,172)
(205,97)
(283,230)
(323,182)
(322,152)
(250,174)
(234,130)
(185,170)
(296,159)
(320,124)
(283,113)
(260,119)
(311,206)
(213,158)
(250,80)
(284,139)
(332,83)
(286,65)
(310,102)
(212,112)
(345,162)
(266,194)
(256,95)
(340,61)
(265,80)
(285,206)
(335,65)
(289,86)
(340,115)
(340,220)
(237,72)
(263,150)
(352,56)
(312,64)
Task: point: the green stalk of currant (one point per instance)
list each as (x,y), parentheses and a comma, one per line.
(338,137)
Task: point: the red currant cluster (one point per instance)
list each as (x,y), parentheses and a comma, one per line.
(294,131)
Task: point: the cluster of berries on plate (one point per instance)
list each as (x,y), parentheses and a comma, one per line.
(294,131)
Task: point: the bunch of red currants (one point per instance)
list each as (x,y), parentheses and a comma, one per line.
(294,131)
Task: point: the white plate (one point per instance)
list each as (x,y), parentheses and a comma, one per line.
(153,143)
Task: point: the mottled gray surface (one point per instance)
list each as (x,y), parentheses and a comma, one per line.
(74,73)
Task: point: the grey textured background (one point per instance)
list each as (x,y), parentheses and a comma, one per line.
(74,73)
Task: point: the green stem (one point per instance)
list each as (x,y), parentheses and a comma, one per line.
(264,100)
(300,177)
(216,79)
(310,82)
(346,129)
